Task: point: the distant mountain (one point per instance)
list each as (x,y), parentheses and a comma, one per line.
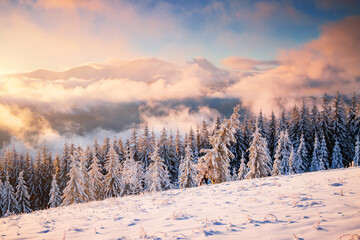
(147,69)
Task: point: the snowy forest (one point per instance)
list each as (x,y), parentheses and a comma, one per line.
(305,139)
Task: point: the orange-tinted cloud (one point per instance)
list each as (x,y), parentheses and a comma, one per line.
(240,63)
(329,63)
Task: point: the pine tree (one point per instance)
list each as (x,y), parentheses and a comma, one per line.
(242,169)
(315,162)
(301,157)
(22,195)
(187,173)
(293,160)
(167,155)
(282,155)
(64,167)
(356,161)
(351,125)
(325,126)
(96,178)
(295,128)
(132,175)
(337,159)
(323,155)
(55,195)
(9,204)
(215,163)
(272,136)
(145,149)
(85,178)
(74,190)
(157,178)
(339,129)
(113,184)
(259,159)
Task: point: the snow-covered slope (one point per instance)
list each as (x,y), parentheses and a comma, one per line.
(319,205)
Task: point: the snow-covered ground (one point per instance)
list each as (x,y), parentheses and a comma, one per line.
(320,205)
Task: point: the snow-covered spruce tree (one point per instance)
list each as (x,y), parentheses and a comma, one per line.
(1,197)
(74,190)
(85,180)
(337,158)
(242,169)
(113,184)
(272,136)
(64,167)
(168,155)
(157,176)
(315,162)
(259,158)
(9,204)
(356,161)
(295,127)
(22,195)
(215,163)
(145,149)
(323,155)
(301,156)
(292,160)
(282,154)
(187,170)
(96,177)
(55,195)
(132,173)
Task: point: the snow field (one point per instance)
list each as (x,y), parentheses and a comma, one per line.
(317,205)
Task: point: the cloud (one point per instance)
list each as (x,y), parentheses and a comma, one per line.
(329,63)
(239,63)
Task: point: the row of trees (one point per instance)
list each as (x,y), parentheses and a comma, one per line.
(237,148)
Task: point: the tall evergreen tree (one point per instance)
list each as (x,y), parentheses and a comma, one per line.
(74,190)
(272,136)
(337,158)
(187,171)
(132,173)
(215,163)
(323,155)
(113,183)
(259,159)
(315,162)
(145,149)
(157,176)
(351,125)
(64,167)
(168,156)
(356,161)
(9,204)
(22,195)
(96,178)
(242,169)
(302,152)
(282,155)
(55,195)
(339,129)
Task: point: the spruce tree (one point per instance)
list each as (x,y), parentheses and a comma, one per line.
(187,171)
(55,195)
(293,160)
(64,167)
(323,155)
(22,195)
(315,162)
(272,136)
(96,178)
(145,149)
(259,159)
(356,161)
(132,175)
(282,155)
(242,169)
(113,184)
(295,127)
(337,158)
(157,176)
(9,203)
(74,190)
(168,156)
(85,178)
(301,157)
(215,163)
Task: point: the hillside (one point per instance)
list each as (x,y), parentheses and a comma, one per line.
(319,205)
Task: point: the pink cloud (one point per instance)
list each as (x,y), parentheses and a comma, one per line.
(329,63)
(240,63)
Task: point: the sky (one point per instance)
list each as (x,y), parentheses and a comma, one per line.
(110,66)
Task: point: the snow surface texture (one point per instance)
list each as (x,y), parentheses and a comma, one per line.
(317,205)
